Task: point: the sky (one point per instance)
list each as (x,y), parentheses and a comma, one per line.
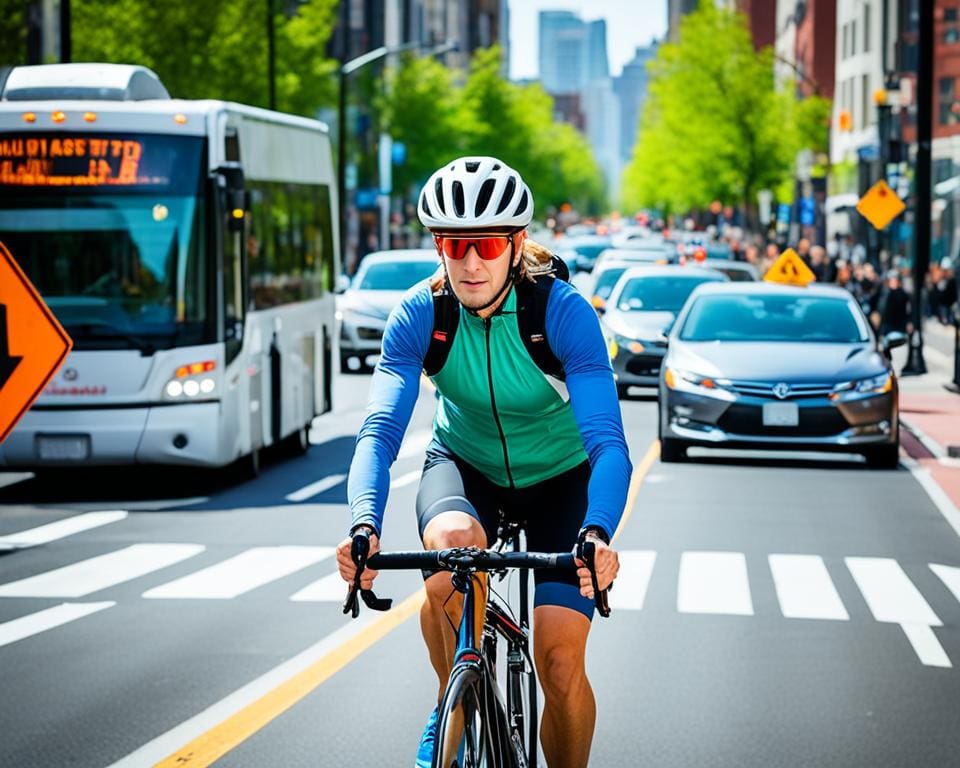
(630,23)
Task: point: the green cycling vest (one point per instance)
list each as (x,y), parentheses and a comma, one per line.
(497,410)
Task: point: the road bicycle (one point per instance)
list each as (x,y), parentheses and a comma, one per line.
(478,725)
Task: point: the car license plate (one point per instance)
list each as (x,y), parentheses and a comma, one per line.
(781,415)
(63,447)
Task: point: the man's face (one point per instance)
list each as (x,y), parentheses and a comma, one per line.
(804,245)
(477,281)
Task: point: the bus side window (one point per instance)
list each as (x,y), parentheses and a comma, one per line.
(233,300)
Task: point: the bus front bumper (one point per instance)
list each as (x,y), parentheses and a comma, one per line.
(184,434)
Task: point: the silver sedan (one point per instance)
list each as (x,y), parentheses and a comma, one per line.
(754,365)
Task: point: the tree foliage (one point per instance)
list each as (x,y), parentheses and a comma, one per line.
(215,48)
(715,126)
(440,115)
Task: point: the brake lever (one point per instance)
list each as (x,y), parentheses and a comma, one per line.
(359,552)
(588,551)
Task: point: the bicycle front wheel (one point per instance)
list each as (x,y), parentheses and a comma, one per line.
(466,737)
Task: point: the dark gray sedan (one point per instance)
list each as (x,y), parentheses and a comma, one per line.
(756,365)
(641,308)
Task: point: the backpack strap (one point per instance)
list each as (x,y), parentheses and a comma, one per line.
(532,300)
(446,319)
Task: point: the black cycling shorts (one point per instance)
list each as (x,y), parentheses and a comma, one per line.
(551,512)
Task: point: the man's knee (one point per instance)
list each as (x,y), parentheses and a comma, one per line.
(559,665)
(454,529)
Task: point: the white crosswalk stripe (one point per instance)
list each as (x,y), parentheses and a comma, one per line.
(44,534)
(714,582)
(101,572)
(804,588)
(242,573)
(630,589)
(329,589)
(35,623)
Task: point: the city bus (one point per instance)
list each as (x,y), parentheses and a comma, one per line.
(189,250)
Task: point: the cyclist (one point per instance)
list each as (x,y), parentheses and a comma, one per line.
(505,439)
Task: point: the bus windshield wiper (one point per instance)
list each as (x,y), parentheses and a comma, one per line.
(105,331)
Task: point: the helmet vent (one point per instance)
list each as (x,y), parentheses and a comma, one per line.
(496,166)
(523,204)
(438,188)
(472,166)
(458,205)
(483,198)
(507,195)
(424,206)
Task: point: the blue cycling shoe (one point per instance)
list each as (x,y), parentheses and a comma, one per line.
(427,742)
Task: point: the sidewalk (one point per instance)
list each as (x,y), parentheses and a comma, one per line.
(930,420)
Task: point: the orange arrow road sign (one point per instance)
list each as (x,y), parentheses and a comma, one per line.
(33,345)
(790,269)
(880,205)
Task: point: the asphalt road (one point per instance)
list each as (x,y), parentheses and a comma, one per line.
(773,611)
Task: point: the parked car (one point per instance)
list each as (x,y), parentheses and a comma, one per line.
(378,286)
(640,311)
(755,365)
(588,248)
(737,271)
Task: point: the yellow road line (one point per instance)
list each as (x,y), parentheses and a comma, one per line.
(215,743)
(639,472)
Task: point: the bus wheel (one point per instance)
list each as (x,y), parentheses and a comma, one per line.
(248,467)
(298,443)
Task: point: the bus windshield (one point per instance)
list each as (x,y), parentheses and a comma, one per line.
(115,245)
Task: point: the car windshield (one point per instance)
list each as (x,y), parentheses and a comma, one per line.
(608,278)
(112,235)
(773,318)
(735,274)
(395,275)
(658,294)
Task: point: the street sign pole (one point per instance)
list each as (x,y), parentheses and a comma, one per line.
(921,256)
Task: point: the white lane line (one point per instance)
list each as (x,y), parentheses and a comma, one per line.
(101,572)
(714,582)
(926,645)
(62,528)
(49,618)
(893,598)
(949,576)
(329,589)
(630,589)
(804,588)
(415,443)
(314,489)
(241,573)
(407,479)
(937,495)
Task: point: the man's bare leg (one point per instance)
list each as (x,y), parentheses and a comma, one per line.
(570,710)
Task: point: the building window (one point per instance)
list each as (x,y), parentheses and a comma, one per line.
(951,36)
(865,102)
(866,27)
(948,104)
(853,37)
(950,14)
(846,46)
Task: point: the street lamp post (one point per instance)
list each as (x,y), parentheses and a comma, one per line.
(347,68)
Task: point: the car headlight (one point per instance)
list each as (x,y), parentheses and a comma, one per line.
(686,381)
(878,385)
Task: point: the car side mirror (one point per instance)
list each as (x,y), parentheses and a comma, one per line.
(341,284)
(892,340)
(234,194)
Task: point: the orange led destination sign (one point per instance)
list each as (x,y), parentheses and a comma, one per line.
(72,161)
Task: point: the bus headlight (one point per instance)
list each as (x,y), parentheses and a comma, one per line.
(174,388)
(189,381)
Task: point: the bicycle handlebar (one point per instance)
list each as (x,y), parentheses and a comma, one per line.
(458,559)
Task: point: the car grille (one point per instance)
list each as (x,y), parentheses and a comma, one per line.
(370,334)
(644,365)
(814,422)
(765,389)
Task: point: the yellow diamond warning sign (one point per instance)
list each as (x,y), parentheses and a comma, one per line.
(789,269)
(880,205)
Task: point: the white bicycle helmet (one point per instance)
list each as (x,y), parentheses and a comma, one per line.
(475,193)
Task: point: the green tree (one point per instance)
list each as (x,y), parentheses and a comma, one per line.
(714,127)
(215,48)
(13,33)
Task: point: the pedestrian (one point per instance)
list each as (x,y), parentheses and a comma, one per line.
(945,290)
(893,306)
